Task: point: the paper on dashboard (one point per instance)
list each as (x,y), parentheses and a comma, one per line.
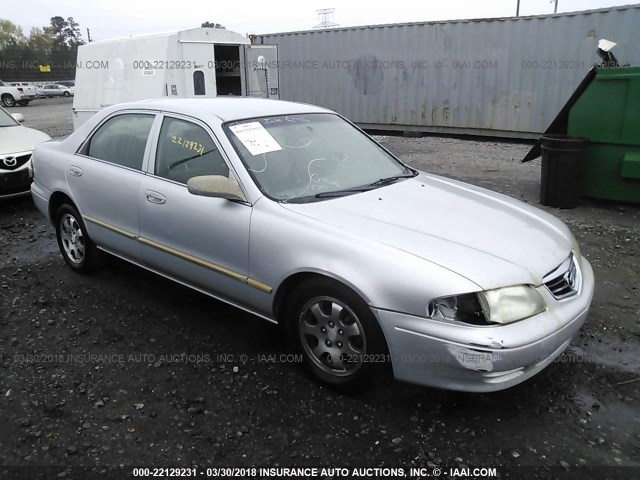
(255,138)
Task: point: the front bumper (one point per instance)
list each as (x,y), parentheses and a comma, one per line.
(14,183)
(484,359)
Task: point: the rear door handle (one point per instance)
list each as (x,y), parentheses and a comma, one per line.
(75,171)
(155,197)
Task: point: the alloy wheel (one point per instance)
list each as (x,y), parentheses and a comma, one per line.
(72,238)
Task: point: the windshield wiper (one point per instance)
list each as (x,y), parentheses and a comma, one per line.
(342,193)
(389,180)
(378,183)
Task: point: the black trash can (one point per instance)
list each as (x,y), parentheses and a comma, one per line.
(563,158)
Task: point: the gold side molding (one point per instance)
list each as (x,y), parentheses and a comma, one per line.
(259,285)
(192,259)
(185,256)
(108,226)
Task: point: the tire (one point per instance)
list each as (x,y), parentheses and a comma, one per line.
(66,94)
(77,249)
(8,100)
(23,103)
(341,342)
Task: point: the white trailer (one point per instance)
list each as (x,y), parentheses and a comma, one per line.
(202,62)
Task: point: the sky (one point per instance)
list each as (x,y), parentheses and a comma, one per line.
(119,18)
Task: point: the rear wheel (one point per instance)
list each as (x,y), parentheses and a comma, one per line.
(66,94)
(77,249)
(8,100)
(340,339)
(23,103)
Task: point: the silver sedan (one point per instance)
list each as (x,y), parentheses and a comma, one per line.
(54,90)
(292,213)
(16,146)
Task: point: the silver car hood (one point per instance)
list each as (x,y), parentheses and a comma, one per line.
(20,139)
(491,239)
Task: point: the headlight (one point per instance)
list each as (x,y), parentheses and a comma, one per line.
(461,308)
(510,304)
(499,306)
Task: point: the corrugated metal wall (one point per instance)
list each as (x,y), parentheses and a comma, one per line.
(501,77)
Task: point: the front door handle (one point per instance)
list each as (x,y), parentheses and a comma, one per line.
(155,197)
(75,171)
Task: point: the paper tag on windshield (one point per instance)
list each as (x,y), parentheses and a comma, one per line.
(255,137)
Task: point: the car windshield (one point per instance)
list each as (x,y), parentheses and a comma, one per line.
(302,158)
(6,120)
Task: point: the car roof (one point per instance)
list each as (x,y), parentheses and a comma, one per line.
(227,108)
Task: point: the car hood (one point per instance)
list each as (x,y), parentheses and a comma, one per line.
(20,139)
(491,239)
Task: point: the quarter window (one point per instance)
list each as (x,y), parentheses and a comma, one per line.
(186,150)
(121,140)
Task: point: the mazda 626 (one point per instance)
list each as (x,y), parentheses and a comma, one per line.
(292,213)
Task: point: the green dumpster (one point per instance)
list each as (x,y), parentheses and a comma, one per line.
(608,114)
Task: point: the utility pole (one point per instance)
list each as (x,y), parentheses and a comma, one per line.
(88,35)
(555,7)
(518,9)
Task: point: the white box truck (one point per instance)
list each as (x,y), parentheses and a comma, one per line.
(202,62)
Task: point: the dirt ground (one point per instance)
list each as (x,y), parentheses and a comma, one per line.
(126,368)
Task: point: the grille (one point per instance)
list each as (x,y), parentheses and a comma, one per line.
(14,162)
(564,281)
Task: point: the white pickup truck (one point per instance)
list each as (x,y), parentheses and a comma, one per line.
(20,93)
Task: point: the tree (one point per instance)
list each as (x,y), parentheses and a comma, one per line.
(66,39)
(212,25)
(10,34)
(65,33)
(39,40)
(55,45)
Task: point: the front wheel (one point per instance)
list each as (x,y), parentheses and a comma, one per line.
(340,339)
(66,94)
(77,249)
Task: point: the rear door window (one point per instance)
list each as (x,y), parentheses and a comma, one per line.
(121,140)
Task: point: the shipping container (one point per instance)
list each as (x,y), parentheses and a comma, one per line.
(492,77)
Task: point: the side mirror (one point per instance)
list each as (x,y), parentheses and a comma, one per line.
(215,186)
(18,117)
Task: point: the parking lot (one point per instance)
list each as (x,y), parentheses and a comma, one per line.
(125,367)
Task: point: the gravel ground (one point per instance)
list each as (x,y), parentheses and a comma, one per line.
(178,378)
(51,115)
